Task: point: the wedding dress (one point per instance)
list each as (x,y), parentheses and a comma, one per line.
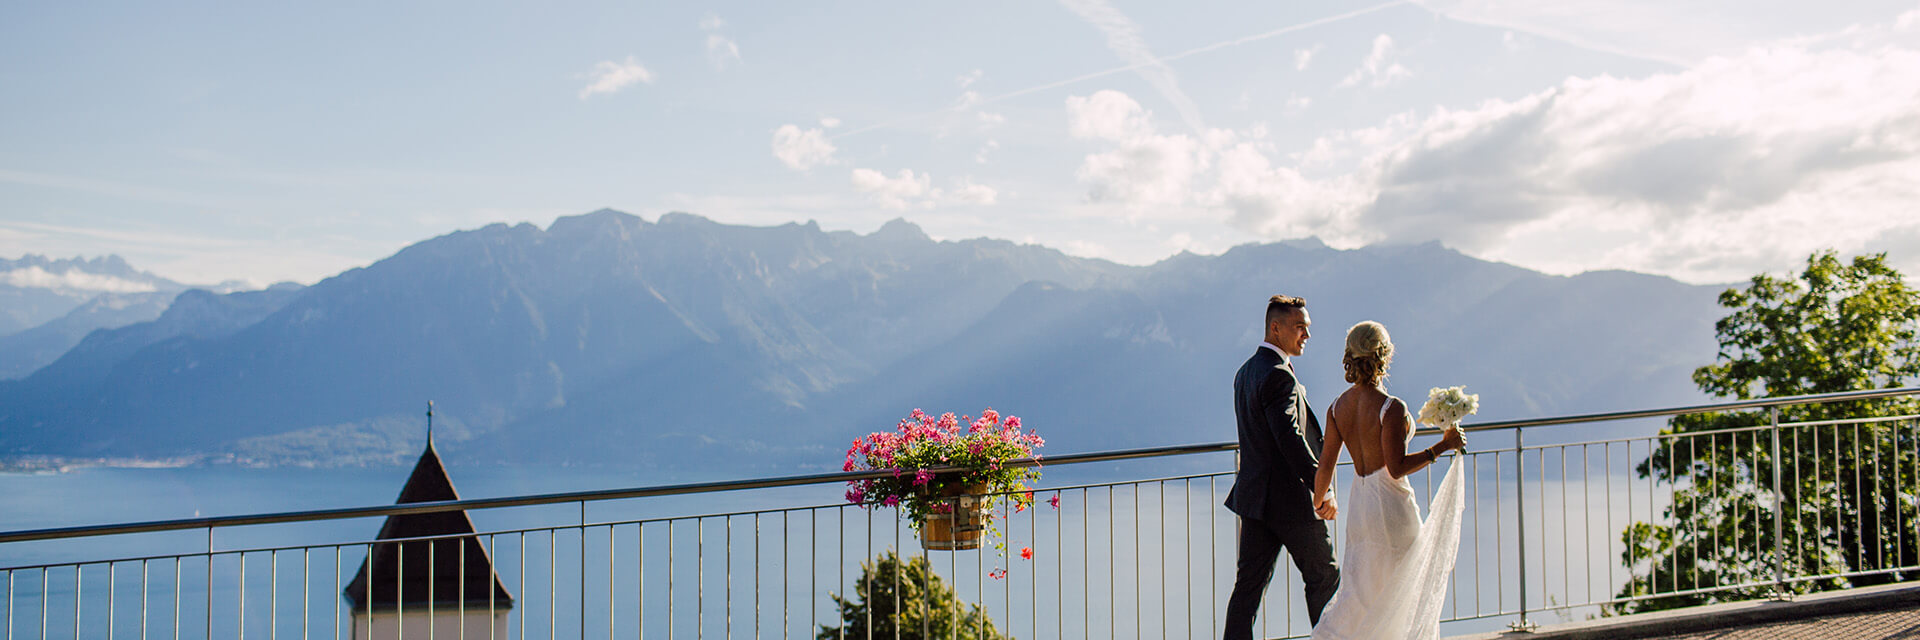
(1395,569)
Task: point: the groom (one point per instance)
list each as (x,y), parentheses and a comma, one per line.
(1279,439)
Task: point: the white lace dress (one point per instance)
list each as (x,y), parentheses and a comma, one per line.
(1395,569)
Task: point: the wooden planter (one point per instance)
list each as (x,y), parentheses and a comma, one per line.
(964,524)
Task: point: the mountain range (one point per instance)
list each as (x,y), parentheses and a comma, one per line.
(683,342)
(35,289)
(47,306)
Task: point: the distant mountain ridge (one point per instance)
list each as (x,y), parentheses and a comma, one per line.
(605,338)
(27,351)
(36,289)
(53,304)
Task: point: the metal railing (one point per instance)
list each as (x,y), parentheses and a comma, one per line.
(1147,554)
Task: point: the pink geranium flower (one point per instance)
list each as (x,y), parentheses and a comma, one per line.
(979,448)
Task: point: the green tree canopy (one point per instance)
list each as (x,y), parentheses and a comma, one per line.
(1842,326)
(1847,489)
(907,601)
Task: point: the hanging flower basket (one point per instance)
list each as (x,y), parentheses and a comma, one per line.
(953,508)
(958,521)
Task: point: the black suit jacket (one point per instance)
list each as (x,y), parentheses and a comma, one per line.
(1279,442)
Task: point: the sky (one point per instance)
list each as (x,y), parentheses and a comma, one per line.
(1706,141)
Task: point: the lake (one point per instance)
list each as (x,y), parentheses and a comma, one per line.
(1146,560)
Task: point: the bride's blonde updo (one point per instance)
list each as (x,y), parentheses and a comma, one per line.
(1369,351)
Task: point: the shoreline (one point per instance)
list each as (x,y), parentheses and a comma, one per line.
(52,465)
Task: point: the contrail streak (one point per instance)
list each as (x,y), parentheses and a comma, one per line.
(1123,37)
(1134,67)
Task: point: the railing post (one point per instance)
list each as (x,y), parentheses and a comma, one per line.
(583,570)
(1520,509)
(43,589)
(1780,591)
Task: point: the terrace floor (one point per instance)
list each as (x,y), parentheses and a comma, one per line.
(1903,623)
(1890,611)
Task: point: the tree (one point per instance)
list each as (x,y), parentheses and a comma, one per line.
(1848,489)
(926,607)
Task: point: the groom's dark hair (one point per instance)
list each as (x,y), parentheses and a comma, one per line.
(1279,306)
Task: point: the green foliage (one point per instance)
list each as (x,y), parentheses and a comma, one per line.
(922,442)
(909,602)
(1848,489)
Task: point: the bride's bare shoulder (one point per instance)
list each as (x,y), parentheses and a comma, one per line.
(1345,398)
(1394,407)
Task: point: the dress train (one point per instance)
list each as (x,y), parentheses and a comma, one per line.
(1395,569)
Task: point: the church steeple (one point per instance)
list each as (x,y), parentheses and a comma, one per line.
(453,581)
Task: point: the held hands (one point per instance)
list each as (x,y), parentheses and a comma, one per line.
(1325,507)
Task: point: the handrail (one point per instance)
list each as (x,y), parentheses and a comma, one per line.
(828,478)
(568,497)
(1757,403)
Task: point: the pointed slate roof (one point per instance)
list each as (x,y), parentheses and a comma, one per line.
(451,579)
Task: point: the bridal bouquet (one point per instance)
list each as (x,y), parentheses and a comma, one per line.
(1445,407)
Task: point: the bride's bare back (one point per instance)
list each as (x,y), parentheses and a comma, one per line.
(1357,415)
(1372,426)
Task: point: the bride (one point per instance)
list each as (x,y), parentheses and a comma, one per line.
(1395,568)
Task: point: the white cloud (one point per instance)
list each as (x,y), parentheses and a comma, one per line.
(802,149)
(1678,33)
(1304,57)
(911,190)
(985,149)
(902,192)
(1278,202)
(1124,38)
(1734,166)
(1379,69)
(829,122)
(989,119)
(187,257)
(722,51)
(969,192)
(1108,115)
(1343,150)
(1144,168)
(969,78)
(71,280)
(1738,165)
(609,76)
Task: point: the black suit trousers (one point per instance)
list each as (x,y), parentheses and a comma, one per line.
(1260,544)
